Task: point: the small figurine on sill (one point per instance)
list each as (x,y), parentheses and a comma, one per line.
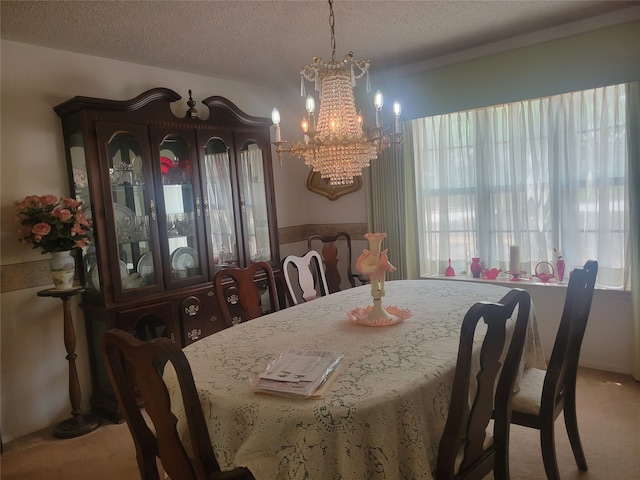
(449,271)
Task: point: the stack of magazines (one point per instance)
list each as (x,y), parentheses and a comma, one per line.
(299,373)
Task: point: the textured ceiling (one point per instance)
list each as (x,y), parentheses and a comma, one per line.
(266,42)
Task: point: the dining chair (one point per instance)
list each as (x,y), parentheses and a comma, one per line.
(328,245)
(238,291)
(544,394)
(123,351)
(468,448)
(309,273)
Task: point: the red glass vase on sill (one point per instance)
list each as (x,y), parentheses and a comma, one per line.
(560,268)
(476,268)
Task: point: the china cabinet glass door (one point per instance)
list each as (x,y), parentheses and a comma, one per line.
(253,202)
(220,208)
(131,208)
(181,207)
(80,191)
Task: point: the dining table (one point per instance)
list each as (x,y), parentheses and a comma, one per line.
(382,415)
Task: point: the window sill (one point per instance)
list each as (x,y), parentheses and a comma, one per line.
(530,285)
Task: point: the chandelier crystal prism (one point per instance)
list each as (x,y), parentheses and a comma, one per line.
(337,146)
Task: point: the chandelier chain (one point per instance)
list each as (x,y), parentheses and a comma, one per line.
(332,22)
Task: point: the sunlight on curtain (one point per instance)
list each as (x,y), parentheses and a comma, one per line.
(541,173)
(256,219)
(445,187)
(221,217)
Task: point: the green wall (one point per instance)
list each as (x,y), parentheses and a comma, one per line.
(602,57)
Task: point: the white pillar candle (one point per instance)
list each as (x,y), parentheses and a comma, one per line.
(514,259)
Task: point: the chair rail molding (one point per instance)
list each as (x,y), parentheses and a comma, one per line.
(300,233)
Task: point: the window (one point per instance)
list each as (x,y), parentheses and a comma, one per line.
(543,174)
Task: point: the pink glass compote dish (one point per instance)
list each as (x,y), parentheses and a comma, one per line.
(375,263)
(361,316)
(491,273)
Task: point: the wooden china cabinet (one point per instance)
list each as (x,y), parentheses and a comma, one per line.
(172,199)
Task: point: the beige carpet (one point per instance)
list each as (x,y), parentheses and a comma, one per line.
(608,414)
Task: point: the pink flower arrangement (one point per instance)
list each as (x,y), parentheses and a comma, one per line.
(51,223)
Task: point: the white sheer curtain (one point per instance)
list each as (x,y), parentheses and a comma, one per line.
(257,222)
(221,217)
(541,173)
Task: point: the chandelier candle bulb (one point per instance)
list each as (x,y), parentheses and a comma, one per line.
(378,102)
(396,111)
(514,259)
(310,105)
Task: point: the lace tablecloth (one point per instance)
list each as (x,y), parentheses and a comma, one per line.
(381,418)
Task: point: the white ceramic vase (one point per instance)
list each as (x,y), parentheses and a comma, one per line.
(62,266)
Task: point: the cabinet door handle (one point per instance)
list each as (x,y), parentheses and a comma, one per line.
(152,207)
(198,207)
(206,206)
(194,334)
(233,299)
(243,203)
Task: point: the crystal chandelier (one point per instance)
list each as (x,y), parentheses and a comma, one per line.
(336,146)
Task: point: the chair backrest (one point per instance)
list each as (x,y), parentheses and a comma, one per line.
(239,292)
(311,281)
(327,245)
(123,351)
(563,363)
(462,451)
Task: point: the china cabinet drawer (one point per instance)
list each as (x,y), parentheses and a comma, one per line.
(200,317)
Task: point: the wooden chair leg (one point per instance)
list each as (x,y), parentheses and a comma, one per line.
(548,447)
(571,422)
(501,467)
